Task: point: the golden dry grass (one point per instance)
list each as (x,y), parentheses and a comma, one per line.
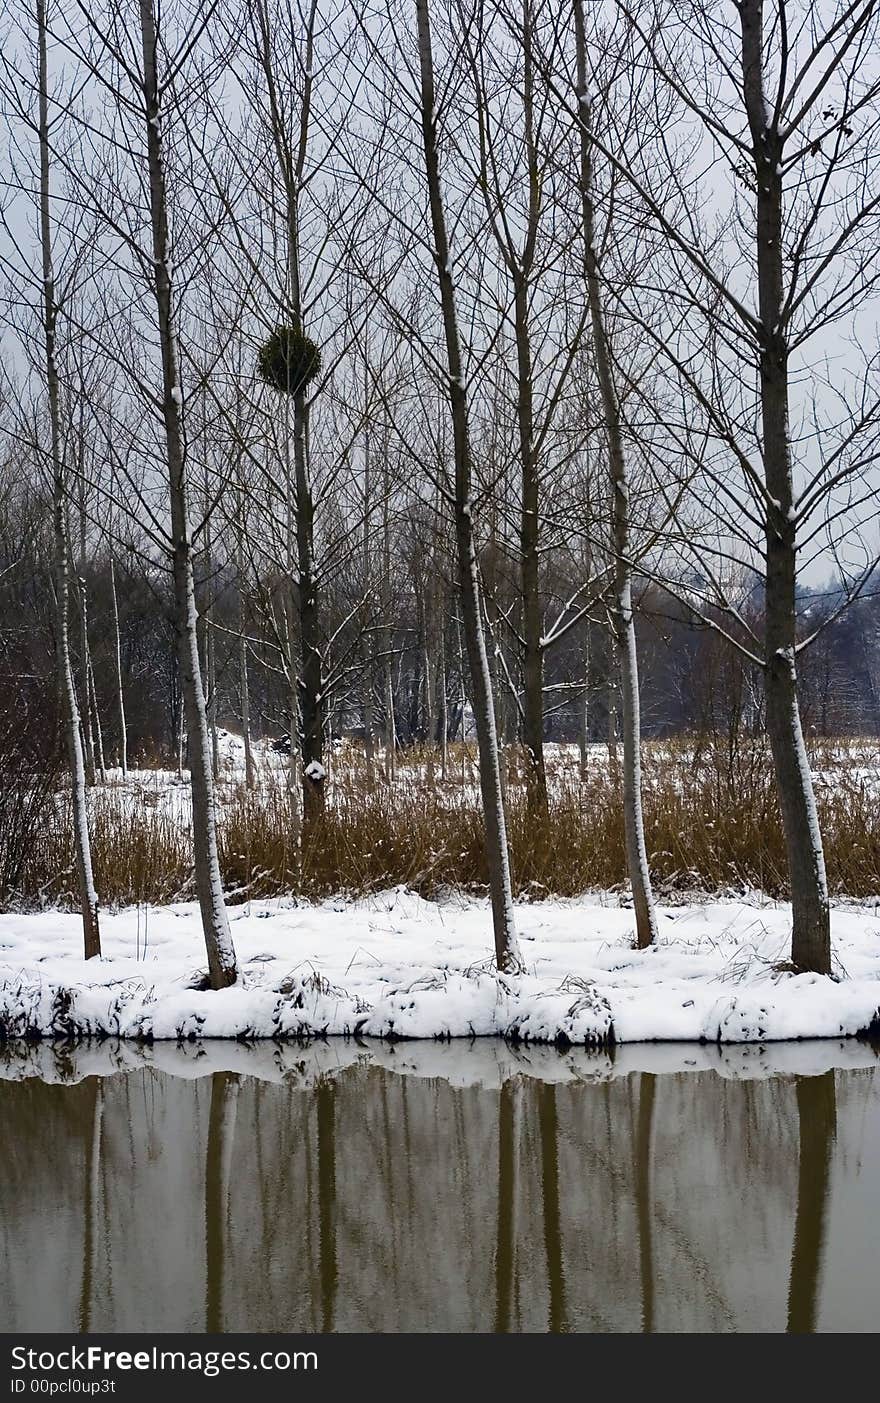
(712,823)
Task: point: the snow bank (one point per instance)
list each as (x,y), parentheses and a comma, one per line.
(395,966)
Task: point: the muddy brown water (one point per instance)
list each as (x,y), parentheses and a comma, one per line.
(429,1188)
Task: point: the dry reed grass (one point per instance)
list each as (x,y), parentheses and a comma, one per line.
(712,824)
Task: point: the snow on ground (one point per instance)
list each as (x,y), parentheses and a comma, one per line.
(397,966)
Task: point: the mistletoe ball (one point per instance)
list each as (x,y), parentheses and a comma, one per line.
(288,360)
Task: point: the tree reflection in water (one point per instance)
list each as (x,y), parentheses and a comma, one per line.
(817,1128)
(365,1199)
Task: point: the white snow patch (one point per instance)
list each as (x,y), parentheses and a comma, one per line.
(397,966)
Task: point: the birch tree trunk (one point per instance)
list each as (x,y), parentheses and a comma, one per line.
(611,693)
(811,919)
(623,624)
(222,966)
(210,670)
(99,734)
(367,634)
(390,729)
(120,693)
(293,765)
(243,680)
(585,708)
(442,702)
(245,706)
(88,895)
(312,705)
(85,689)
(84,651)
(506,946)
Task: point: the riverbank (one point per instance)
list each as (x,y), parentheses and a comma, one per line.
(397,966)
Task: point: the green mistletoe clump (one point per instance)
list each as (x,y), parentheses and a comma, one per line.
(288,360)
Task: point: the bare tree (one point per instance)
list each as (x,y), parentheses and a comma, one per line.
(529,214)
(623,622)
(763,195)
(222,964)
(506,948)
(17,93)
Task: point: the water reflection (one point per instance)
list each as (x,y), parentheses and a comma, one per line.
(642,1177)
(817,1124)
(218,1179)
(91,1206)
(349,1188)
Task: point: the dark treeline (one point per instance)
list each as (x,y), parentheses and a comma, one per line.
(693,683)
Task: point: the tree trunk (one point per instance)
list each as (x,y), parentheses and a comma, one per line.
(811,918)
(585,708)
(623,624)
(366,633)
(245,705)
(443,707)
(533,653)
(506,947)
(492,659)
(85,689)
(222,964)
(99,734)
(311,680)
(390,732)
(244,692)
(211,700)
(611,692)
(66,685)
(120,694)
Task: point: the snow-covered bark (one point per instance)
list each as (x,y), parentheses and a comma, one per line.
(85,690)
(210,669)
(99,732)
(388,677)
(311,685)
(623,624)
(811,921)
(367,645)
(88,895)
(498,860)
(120,692)
(442,704)
(585,709)
(222,964)
(244,691)
(245,704)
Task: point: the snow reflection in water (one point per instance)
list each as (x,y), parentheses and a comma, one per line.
(439,1187)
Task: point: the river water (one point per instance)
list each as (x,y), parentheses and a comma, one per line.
(457,1187)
